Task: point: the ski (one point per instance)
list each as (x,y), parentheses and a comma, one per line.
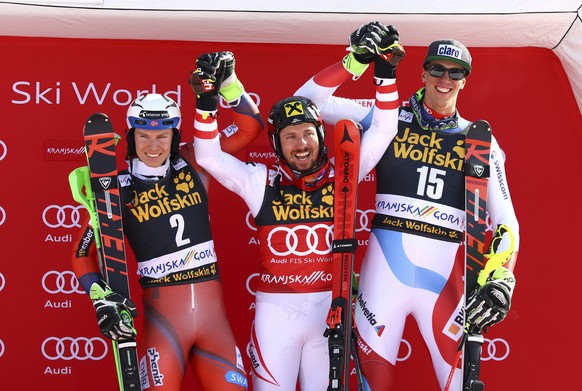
(339,319)
(476,166)
(95,186)
(477,152)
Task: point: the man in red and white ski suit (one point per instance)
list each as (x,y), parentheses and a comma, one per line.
(292,204)
(184,319)
(411,265)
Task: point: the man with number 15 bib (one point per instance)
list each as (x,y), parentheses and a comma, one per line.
(411,265)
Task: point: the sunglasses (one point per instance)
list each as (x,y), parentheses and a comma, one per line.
(437,70)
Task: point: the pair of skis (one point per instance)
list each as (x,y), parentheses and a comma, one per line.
(95,187)
(340,334)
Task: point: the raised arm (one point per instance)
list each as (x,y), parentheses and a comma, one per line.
(372,42)
(214,149)
(217,71)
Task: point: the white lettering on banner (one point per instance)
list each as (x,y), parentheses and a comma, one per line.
(39,93)
(311,279)
(369,178)
(254,241)
(2,215)
(59,304)
(58,371)
(1,348)
(68,238)
(2,281)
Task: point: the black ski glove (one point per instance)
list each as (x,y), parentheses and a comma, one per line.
(206,79)
(115,313)
(489,304)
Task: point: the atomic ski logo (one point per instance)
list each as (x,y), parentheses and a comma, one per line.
(346,137)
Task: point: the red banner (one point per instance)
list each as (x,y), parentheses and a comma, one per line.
(48,88)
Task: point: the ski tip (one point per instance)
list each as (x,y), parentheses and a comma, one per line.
(98,117)
(481,124)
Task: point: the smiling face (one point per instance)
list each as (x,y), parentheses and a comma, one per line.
(300,146)
(441,92)
(153,146)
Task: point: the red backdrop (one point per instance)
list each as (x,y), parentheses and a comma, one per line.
(48,87)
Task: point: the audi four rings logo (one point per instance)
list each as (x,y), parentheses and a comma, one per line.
(69,348)
(3,150)
(408,350)
(249,288)
(67,216)
(249,223)
(301,245)
(2,281)
(496,349)
(363,217)
(2,215)
(65,282)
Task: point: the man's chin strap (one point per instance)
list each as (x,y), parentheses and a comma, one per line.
(309,180)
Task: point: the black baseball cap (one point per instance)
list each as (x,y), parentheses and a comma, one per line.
(449,50)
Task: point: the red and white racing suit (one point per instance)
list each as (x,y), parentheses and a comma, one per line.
(411,265)
(165,212)
(295,230)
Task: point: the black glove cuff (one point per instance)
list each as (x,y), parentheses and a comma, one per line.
(207,102)
(364,58)
(383,69)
